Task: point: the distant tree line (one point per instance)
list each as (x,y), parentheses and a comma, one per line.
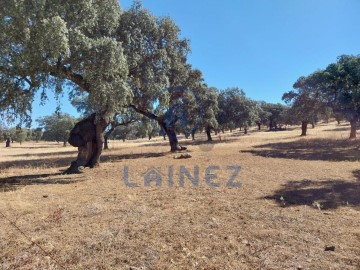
(330,92)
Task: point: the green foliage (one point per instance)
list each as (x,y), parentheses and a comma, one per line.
(235,109)
(341,81)
(20,135)
(57,127)
(275,114)
(48,44)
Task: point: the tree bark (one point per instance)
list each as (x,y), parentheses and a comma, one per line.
(170,132)
(88,136)
(353,125)
(259,126)
(208,133)
(8,142)
(65,143)
(106,142)
(168,128)
(304,125)
(245,130)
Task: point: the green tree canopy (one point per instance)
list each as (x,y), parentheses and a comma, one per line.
(48,44)
(57,127)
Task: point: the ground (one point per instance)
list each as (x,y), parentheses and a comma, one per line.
(297,196)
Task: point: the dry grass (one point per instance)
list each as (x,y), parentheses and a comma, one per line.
(297,196)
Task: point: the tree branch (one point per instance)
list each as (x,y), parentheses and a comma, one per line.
(145,113)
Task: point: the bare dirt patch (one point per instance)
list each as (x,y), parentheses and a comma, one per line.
(297,196)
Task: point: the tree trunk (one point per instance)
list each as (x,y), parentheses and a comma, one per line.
(170,132)
(164,137)
(208,133)
(193,134)
(353,125)
(312,124)
(245,130)
(304,128)
(259,126)
(106,142)
(65,143)
(149,137)
(88,136)
(8,142)
(223,130)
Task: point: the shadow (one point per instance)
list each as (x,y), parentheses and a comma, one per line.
(215,141)
(45,162)
(339,129)
(190,142)
(64,153)
(55,162)
(310,149)
(41,146)
(329,194)
(112,158)
(14,182)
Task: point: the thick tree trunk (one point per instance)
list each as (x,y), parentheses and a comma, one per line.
(88,136)
(223,130)
(8,142)
(259,126)
(312,124)
(208,133)
(164,137)
(170,132)
(304,125)
(353,125)
(149,135)
(65,143)
(245,130)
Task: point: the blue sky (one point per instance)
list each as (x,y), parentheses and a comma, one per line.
(261,46)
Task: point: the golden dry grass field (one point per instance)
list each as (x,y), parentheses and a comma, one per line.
(297,196)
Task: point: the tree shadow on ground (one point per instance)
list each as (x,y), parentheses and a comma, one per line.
(329,194)
(57,162)
(63,153)
(190,142)
(112,158)
(339,129)
(310,149)
(14,182)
